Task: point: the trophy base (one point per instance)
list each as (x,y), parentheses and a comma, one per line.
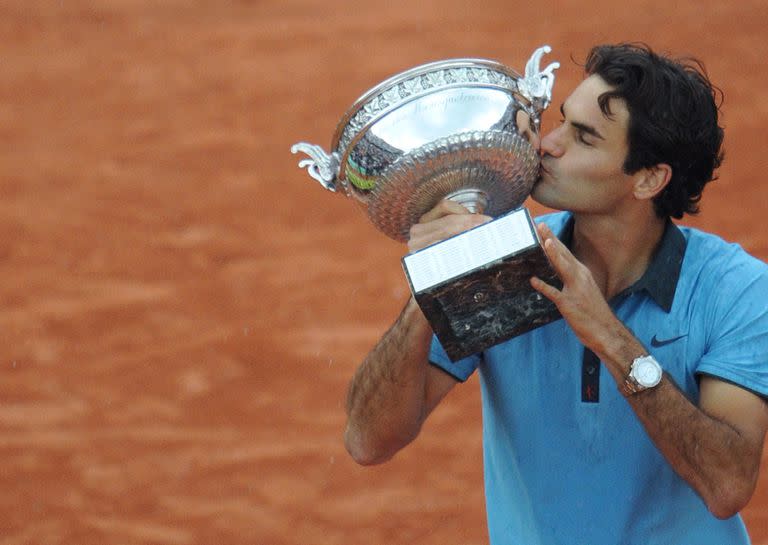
(474,288)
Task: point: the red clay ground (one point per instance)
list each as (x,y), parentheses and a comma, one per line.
(182,307)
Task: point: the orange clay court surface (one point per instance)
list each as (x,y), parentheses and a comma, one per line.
(181,306)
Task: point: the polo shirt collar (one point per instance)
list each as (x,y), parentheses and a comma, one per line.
(660,278)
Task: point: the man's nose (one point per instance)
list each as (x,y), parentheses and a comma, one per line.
(551,143)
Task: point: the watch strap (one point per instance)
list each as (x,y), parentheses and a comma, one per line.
(630,386)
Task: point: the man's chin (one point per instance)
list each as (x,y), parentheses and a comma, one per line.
(537,192)
(539,196)
(545,203)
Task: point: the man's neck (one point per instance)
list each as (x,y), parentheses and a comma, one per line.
(617,249)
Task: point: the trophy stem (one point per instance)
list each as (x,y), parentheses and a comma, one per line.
(474,200)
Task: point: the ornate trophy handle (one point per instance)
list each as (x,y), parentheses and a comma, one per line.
(537,84)
(322,167)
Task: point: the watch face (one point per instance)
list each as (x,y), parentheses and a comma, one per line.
(647,372)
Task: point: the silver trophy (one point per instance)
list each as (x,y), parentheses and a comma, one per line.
(451,129)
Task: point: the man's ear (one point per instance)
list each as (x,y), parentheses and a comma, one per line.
(650,181)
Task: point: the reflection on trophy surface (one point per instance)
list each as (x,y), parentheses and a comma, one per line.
(456,129)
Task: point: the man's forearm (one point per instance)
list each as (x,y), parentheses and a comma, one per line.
(386,398)
(717,460)
(712,456)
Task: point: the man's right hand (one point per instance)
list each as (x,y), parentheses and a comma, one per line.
(445,220)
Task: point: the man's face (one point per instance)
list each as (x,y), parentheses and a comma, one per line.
(582,158)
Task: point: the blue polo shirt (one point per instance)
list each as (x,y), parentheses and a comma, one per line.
(567,467)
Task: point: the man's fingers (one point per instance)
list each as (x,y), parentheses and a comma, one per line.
(560,257)
(548,291)
(443,208)
(544,231)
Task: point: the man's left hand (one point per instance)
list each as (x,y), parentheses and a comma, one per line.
(580,301)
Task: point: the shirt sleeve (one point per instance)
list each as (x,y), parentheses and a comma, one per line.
(738,339)
(461,370)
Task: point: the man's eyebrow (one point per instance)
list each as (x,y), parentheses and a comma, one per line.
(582,127)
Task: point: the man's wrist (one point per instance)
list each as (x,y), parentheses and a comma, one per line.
(631,365)
(618,348)
(415,319)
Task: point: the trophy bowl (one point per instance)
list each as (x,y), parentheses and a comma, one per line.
(456,129)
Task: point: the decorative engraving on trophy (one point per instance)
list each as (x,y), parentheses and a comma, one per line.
(418,85)
(442,104)
(444,113)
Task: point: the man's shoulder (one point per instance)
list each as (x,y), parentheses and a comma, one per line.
(711,252)
(721,270)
